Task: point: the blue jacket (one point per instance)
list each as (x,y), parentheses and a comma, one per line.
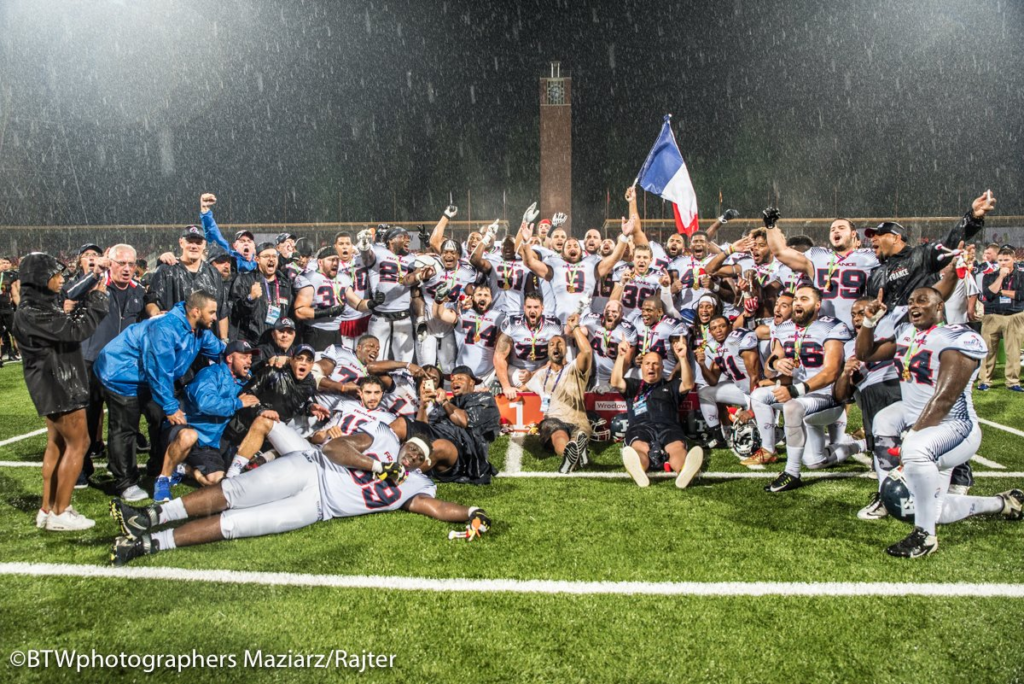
(156,352)
(213,234)
(211,399)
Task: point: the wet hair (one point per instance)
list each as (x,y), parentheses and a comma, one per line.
(199,299)
(534,295)
(798,241)
(853,226)
(817,292)
(371,380)
(720,317)
(342,234)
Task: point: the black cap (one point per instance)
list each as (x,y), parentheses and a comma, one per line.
(240,347)
(284,324)
(264,246)
(193,232)
(887,228)
(217,253)
(465,370)
(85,248)
(303,349)
(286,236)
(245,233)
(327,252)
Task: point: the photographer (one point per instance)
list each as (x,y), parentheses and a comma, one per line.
(51,343)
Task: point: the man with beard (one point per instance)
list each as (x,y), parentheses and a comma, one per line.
(352,274)
(605,331)
(637,282)
(840,271)
(654,441)
(284,394)
(244,249)
(174,283)
(506,274)
(139,369)
(766,327)
(522,345)
(319,303)
(936,364)
(689,272)
(350,415)
(366,473)
(592,242)
(808,350)
(476,331)
(210,400)
(452,280)
(561,387)
(572,276)
(260,298)
(339,369)
(458,430)
(657,333)
(731,368)
(394,275)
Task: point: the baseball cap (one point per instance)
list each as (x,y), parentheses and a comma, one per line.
(217,253)
(264,246)
(304,349)
(245,233)
(240,347)
(887,228)
(465,370)
(193,232)
(285,324)
(286,236)
(85,248)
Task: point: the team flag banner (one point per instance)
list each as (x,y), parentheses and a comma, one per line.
(664,174)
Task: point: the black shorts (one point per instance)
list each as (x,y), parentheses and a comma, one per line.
(872,400)
(658,436)
(550,426)
(205,459)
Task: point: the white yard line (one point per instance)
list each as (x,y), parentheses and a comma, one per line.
(863,459)
(458,585)
(985,462)
(514,454)
(12,440)
(1004,428)
(740,475)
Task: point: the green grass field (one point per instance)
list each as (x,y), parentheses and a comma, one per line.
(568,529)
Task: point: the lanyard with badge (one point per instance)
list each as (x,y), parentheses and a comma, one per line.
(640,403)
(273,305)
(798,341)
(546,392)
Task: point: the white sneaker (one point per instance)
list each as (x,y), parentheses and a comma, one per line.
(68,521)
(41,517)
(631,461)
(875,510)
(134,493)
(691,466)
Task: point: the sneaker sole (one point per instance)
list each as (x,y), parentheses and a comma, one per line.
(570,457)
(631,461)
(582,442)
(864,515)
(60,528)
(931,549)
(694,460)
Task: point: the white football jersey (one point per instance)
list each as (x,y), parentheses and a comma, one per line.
(728,356)
(572,284)
(688,270)
(353,274)
(402,399)
(638,288)
(459,278)
(917,363)
(871,373)
(475,337)
(605,343)
(386,276)
(508,283)
(529,346)
(841,279)
(326,293)
(807,345)
(603,288)
(351,416)
(347,368)
(658,338)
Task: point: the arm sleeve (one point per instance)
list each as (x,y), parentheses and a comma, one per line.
(79,325)
(212,346)
(211,396)
(157,363)
(213,233)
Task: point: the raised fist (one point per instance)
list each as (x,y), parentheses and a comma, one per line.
(206,200)
(451,211)
(728,215)
(771,216)
(558,219)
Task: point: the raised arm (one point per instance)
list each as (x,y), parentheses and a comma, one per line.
(605,266)
(618,379)
(777,244)
(532,261)
(437,237)
(210,228)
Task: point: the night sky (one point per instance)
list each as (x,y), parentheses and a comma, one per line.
(123,112)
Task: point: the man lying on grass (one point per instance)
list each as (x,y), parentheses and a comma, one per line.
(350,476)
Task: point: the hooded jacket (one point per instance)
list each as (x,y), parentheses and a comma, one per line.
(156,352)
(250,315)
(51,340)
(210,401)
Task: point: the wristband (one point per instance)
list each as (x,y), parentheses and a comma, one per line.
(770,363)
(799,389)
(728,250)
(623,238)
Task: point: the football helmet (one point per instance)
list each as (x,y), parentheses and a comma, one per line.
(744,438)
(599,430)
(896,496)
(620,424)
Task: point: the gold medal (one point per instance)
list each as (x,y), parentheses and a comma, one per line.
(533,357)
(476,339)
(906,374)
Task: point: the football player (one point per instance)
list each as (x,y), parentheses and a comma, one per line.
(522,345)
(656,332)
(476,330)
(394,275)
(605,331)
(319,304)
(731,367)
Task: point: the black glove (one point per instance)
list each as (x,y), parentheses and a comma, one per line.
(329,311)
(376,300)
(481,515)
(729,215)
(393,471)
(770,216)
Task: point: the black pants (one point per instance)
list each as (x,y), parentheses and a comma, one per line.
(123,424)
(6,323)
(320,339)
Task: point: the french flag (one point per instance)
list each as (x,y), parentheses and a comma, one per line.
(664,174)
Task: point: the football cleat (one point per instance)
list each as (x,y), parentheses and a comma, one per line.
(254,463)
(127,549)
(691,466)
(760,457)
(631,461)
(875,510)
(1013,504)
(584,442)
(915,545)
(134,522)
(783,483)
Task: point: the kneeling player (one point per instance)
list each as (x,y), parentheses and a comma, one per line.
(654,440)
(350,476)
(730,364)
(937,365)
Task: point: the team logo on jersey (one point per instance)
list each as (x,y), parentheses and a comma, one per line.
(901,272)
(972,342)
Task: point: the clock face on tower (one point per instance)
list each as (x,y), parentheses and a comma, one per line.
(555,91)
